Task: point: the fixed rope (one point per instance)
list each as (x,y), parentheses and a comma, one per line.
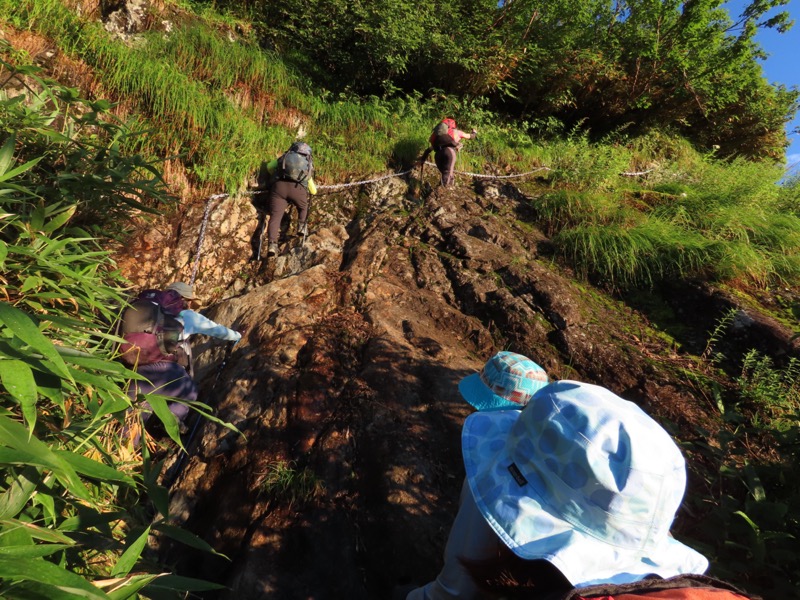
(482,176)
(637,173)
(203,226)
(342,186)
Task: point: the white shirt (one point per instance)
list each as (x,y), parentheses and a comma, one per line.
(194,322)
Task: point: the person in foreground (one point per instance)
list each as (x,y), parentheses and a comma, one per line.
(577,488)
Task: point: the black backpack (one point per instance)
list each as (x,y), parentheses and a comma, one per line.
(295,167)
(442,135)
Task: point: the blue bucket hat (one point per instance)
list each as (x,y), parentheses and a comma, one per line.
(583,479)
(508,380)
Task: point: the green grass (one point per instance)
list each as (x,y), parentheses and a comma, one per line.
(285,484)
(224,105)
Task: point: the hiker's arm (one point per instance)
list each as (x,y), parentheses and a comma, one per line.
(459,135)
(470,537)
(272,166)
(425,155)
(194,322)
(312,187)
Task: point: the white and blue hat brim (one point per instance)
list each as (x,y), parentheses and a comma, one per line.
(533,523)
(513,374)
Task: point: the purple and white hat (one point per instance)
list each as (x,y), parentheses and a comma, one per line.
(507,380)
(583,479)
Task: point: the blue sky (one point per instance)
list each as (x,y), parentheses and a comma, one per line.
(782,65)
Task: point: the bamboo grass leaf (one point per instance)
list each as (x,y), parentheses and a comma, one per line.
(176,582)
(88,517)
(161,409)
(18,493)
(21,448)
(48,506)
(42,571)
(123,588)
(25,329)
(19,170)
(92,468)
(33,531)
(32,551)
(7,154)
(17,378)
(185,537)
(132,553)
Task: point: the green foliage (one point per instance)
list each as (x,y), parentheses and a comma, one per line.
(285,484)
(700,217)
(776,392)
(750,528)
(76,506)
(557,64)
(650,251)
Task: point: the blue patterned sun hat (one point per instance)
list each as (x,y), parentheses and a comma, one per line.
(583,479)
(507,380)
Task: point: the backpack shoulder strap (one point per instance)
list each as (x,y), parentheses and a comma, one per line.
(680,587)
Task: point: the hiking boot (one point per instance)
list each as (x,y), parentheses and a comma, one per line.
(272,249)
(302,229)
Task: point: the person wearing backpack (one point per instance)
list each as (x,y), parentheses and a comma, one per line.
(291,182)
(445,142)
(196,323)
(151,332)
(578,488)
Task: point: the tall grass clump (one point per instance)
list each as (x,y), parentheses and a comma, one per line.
(77,502)
(619,256)
(742,207)
(578,163)
(565,209)
(284,483)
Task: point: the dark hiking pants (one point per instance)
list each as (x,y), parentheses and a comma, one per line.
(281,194)
(446,162)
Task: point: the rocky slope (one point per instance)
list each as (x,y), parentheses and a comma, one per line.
(344,386)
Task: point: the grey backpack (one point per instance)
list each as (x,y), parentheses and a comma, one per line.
(295,167)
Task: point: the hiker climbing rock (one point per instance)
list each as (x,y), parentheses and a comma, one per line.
(291,180)
(151,332)
(580,487)
(445,142)
(195,323)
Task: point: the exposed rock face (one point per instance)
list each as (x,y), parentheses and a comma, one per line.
(348,372)
(124,18)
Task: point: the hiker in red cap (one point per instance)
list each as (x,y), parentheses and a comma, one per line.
(445,142)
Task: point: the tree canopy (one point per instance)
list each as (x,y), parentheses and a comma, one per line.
(601,65)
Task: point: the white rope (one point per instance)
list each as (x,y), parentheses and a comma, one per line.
(202,235)
(481,175)
(341,186)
